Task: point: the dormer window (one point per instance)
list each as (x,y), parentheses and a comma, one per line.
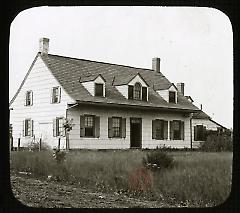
(29,98)
(137,91)
(99,90)
(172,97)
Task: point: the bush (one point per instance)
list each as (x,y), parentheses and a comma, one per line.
(217,143)
(157,160)
(34,146)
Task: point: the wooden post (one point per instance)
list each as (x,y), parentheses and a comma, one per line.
(40,144)
(18,146)
(59,143)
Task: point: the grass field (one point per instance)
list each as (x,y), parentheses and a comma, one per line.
(197,179)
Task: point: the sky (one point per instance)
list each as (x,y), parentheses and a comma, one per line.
(195,45)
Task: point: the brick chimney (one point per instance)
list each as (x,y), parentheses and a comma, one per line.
(180,87)
(156,64)
(44,45)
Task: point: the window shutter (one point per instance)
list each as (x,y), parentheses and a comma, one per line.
(82,126)
(195,133)
(123,127)
(23,128)
(144,93)
(130,92)
(54,127)
(31,102)
(165,127)
(154,126)
(51,97)
(97,126)
(171,130)
(63,129)
(204,133)
(182,130)
(32,128)
(59,94)
(110,130)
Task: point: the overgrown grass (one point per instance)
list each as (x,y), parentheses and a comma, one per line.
(197,178)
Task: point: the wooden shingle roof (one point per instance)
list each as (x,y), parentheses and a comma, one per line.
(68,71)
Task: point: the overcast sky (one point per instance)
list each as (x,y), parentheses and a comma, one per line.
(195,45)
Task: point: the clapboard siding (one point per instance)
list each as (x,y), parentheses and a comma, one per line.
(42,112)
(123,90)
(89,87)
(103,142)
(164,94)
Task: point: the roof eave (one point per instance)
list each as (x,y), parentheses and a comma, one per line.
(136,106)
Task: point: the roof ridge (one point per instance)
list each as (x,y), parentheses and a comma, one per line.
(101,62)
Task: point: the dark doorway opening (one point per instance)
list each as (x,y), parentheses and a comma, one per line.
(135,132)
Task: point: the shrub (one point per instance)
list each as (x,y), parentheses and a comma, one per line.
(157,160)
(59,156)
(217,143)
(34,146)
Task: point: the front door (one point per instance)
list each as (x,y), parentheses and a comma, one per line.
(136,132)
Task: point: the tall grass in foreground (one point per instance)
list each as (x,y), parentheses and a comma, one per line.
(196,178)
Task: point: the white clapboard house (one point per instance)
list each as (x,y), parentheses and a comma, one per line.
(110,106)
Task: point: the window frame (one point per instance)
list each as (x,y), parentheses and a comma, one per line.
(58,132)
(160,123)
(87,127)
(170,100)
(200,133)
(118,127)
(29,94)
(139,91)
(27,127)
(97,94)
(57,95)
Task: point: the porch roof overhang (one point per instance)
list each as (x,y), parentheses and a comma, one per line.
(137,107)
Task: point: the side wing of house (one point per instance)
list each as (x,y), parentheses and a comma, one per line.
(199,128)
(35,107)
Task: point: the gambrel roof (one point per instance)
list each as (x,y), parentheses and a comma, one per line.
(71,71)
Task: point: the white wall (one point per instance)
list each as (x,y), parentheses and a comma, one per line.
(103,142)
(123,89)
(40,81)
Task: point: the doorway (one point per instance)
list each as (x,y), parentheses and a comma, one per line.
(135,132)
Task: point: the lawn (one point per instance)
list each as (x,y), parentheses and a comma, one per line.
(197,179)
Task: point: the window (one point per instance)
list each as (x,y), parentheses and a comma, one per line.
(89,126)
(29,98)
(116,127)
(159,129)
(56,93)
(177,130)
(137,91)
(99,90)
(27,127)
(88,123)
(200,133)
(58,129)
(172,97)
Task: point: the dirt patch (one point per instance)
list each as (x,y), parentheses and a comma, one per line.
(49,194)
